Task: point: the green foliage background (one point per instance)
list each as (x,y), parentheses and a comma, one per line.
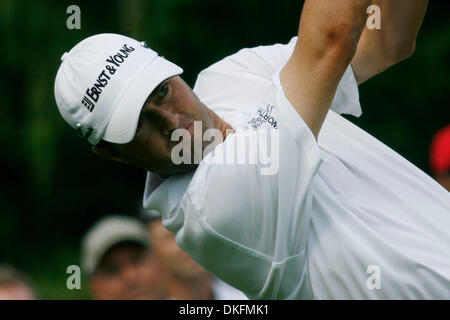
(54,188)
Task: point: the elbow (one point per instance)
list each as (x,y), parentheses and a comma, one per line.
(404,51)
(407,51)
(400,53)
(342,41)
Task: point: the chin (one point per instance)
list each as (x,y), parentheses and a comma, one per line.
(175,169)
(184,168)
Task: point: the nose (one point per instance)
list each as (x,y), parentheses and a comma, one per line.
(129,273)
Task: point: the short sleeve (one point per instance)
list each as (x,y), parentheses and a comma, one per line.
(346,99)
(243,78)
(299,163)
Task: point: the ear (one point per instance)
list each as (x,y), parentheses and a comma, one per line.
(105,152)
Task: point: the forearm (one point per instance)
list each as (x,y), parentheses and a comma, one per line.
(401,21)
(379,49)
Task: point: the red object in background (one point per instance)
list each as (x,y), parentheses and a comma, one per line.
(440,151)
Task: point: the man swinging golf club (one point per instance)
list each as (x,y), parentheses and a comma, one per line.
(341,216)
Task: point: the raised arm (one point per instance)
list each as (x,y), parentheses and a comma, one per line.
(328,36)
(379,49)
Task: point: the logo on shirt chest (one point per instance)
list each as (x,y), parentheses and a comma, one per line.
(265,114)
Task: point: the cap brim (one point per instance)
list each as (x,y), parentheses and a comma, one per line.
(106,244)
(123,123)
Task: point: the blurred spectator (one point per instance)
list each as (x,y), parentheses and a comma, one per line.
(440,157)
(14,285)
(187,280)
(120,263)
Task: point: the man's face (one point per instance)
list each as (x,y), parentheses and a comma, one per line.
(128,271)
(172,105)
(16,291)
(173,259)
(444,180)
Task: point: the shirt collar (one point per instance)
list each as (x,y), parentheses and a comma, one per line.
(164,195)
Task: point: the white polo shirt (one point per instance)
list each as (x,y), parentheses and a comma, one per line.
(345,217)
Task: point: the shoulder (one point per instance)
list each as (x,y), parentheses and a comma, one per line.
(266,59)
(245,76)
(242,76)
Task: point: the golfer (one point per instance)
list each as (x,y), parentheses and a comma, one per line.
(336,215)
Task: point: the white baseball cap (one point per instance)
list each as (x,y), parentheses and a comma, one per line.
(103,83)
(108,232)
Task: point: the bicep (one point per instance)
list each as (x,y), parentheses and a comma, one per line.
(391,39)
(370,58)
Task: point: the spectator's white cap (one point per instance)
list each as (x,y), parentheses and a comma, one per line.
(105,234)
(103,83)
